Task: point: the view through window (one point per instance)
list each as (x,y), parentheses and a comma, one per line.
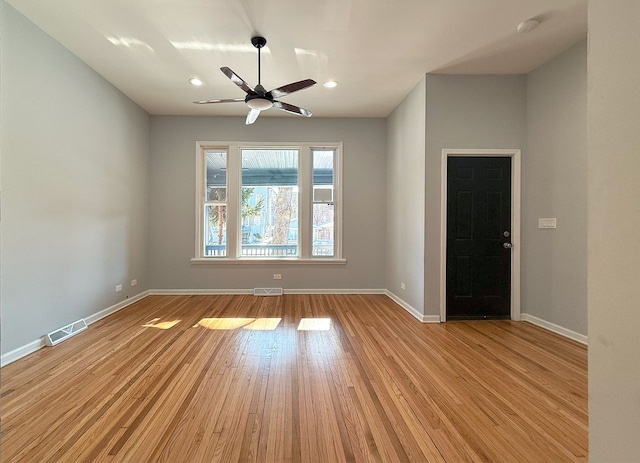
(270,197)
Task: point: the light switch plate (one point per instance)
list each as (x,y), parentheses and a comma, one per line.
(547,223)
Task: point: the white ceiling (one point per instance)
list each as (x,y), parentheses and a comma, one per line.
(376,49)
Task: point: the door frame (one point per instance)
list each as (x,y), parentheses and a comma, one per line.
(516,186)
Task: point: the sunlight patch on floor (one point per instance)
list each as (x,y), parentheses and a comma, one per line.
(256,324)
(264,324)
(155,323)
(314,324)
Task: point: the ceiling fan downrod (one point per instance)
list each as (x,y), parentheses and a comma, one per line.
(258,42)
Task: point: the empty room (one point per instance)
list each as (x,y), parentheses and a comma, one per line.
(305,231)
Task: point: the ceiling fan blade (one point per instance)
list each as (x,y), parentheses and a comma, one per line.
(228,100)
(252,116)
(291,108)
(290,88)
(236,79)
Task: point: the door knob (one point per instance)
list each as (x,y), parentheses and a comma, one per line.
(507,245)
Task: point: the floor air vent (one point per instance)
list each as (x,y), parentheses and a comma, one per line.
(267,291)
(59,335)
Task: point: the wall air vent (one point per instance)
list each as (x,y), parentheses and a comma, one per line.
(61,334)
(267,291)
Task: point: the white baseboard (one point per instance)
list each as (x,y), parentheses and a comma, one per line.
(186,292)
(115,308)
(20,352)
(562,331)
(33,346)
(335,291)
(412,310)
(198,292)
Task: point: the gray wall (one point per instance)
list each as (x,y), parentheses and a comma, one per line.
(74,187)
(464,112)
(172,206)
(554,270)
(405,198)
(614,221)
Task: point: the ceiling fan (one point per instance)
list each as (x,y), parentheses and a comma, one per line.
(258,99)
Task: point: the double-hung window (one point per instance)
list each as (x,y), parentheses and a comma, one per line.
(268,202)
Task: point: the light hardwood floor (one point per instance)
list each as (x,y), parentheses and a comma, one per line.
(235,378)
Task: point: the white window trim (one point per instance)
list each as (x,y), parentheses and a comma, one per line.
(305,203)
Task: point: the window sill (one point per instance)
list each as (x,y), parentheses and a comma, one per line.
(283,261)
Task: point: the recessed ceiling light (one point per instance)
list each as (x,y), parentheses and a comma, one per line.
(527,26)
(196,82)
(330,84)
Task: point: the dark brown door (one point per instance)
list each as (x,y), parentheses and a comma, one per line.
(478,237)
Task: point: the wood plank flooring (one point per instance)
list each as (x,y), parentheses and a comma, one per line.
(198,379)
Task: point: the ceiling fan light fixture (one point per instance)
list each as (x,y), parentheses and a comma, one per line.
(260,104)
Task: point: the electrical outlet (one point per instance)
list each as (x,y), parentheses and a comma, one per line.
(134,282)
(402,286)
(118,288)
(277,276)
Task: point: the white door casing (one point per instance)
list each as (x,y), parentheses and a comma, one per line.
(514,154)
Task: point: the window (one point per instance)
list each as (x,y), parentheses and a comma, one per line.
(215,203)
(323,213)
(265,202)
